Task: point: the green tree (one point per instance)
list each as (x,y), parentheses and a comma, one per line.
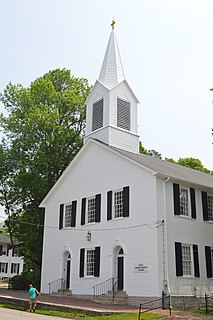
(43,131)
(192,163)
(152,153)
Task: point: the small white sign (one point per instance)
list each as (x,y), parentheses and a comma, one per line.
(140,267)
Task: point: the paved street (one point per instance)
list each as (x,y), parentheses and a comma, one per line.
(8,314)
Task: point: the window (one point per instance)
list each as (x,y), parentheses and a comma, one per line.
(186,260)
(97,115)
(210,207)
(209,261)
(68,215)
(91,210)
(118,204)
(90,262)
(123,114)
(3,267)
(15,268)
(14,252)
(184,201)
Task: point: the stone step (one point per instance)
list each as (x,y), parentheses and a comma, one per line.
(119,298)
(61,293)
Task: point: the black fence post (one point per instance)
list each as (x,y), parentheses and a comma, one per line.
(139,313)
(206,302)
(163,300)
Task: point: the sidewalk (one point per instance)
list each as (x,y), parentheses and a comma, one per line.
(86,305)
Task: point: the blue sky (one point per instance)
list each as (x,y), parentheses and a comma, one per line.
(166,49)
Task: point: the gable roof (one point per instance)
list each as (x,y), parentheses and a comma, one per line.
(169,169)
(158,167)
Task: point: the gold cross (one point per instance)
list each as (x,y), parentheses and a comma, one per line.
(113,24)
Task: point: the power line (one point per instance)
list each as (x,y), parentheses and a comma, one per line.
(152,225)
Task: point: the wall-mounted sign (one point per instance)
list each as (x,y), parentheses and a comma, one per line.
(140,267)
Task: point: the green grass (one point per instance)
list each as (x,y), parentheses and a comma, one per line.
(83,316)
(198,311)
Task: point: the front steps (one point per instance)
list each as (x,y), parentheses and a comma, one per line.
(121,298)
(62,293)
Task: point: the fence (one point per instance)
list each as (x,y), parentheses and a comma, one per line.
(160,303)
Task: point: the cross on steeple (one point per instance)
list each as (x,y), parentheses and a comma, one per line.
(113,24)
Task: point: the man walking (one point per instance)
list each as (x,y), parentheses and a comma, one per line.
(33,292)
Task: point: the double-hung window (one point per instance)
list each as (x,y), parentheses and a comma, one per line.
(187,260)
(207,204)
(68,215)
(90,262)
(3,267)
(91,210)
(118,203)
(184,201)
(15,268)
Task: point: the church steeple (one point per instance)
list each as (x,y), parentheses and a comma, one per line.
(112,70)
(112,106)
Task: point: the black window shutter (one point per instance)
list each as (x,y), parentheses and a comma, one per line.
(73,216)
(126,201)
(176,193)
(193,203)
(81,270)
(109,205)
(196,261)
(178,257)
(98,208)
(205,206)
(6,267)
(61,216)
(18,269)
(209,270)
(97,261)
(11,268)
(83,211)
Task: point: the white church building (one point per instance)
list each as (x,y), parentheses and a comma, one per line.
(116,216)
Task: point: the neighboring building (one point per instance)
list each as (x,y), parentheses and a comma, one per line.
(10,263)
(115,213)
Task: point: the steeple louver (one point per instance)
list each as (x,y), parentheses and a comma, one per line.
(112,70)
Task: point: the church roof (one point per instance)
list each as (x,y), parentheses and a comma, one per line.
(169,169)
(112,70)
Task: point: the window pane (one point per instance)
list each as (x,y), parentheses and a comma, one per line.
(184,202)
(118,204)
(91,210)
(68,214)
(90,263)
(210,207)
(186,258)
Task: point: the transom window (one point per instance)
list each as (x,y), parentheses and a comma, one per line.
(3,267)
(184,201)
(68,215)
(186,259)
(210,207)
(97,115)
(118,204)
(90,262)
(91,210)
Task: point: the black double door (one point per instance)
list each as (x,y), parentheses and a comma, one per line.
(120,273)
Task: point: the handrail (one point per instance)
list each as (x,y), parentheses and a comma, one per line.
(57,284)
(104,287)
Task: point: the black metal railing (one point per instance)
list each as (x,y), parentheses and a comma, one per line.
(56,285)
(160,303)
(108,286)
(208,303)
